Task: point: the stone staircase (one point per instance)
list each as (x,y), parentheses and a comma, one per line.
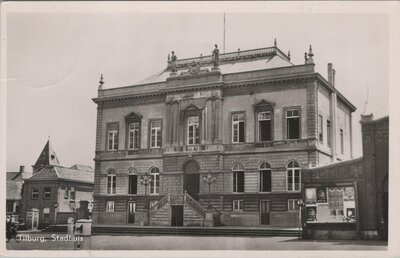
(194,213)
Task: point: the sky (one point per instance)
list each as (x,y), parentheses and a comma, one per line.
(54,62)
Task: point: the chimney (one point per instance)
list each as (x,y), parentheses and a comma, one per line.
(331,74)
(21,169)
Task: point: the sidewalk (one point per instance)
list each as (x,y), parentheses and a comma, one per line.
(160,242)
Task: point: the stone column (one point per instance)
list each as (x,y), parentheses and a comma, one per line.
(175,123)
(210,122)
(218,120)
(168,124)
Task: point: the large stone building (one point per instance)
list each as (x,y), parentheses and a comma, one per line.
(232,129)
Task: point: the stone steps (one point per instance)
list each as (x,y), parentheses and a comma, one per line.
(193,231)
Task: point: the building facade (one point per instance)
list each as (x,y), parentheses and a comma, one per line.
(227,133)
(349,200)
(54,193)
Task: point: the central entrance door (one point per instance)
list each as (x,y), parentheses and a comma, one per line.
(191,177)
(177,215)
(131,212)
(265,211)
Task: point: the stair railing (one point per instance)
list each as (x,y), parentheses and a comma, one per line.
(161,203)
(195,205)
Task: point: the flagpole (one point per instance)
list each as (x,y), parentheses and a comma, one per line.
(224,32)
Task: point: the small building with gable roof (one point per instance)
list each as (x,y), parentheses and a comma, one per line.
(54,193)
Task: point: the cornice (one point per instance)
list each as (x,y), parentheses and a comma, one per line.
(205,86)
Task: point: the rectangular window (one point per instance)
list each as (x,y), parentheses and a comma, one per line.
(66,193)
(264,126)
(293,180)
(112,132)
(72,195)
(293,124)
(341,141)
(155,184)
(110,206)
(193,132)
(46,215)
(155,134)
(320,128)
(35,193)
(10,206)
(134,136)
(111,184)
(265,181)
(238,181)
(237,205)
(328,132)
(132,184)
(293,204)
(47,193)
(237,128)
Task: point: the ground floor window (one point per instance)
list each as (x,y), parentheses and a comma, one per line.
(237,205)
(46,215)
(110,206)
(293,204)
(330,204)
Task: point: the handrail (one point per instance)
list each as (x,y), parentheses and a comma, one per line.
(229,56)
(195,204)
(160,204)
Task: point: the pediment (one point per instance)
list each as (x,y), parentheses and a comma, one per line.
(264,104)
(191,107)
(133,115)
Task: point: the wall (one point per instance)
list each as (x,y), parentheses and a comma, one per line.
(290,98)
(324,109)
(343,122)
(117,114)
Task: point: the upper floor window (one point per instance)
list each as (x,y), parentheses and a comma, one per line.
(111,181)
(155,180)
(132,187)
(264,126)
(47,193)
(238,178)
(265,177)
(328,132)
(293,176)
(293,124)
(320,128)
(341,141)
(193,132)
(134,136)
(237,128)
(35,193)
(112,134)
(155,134)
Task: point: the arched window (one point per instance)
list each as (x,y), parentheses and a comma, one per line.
(238,178)
(155,180)
(293,176)
(132,187)
(265,177)
(111,181)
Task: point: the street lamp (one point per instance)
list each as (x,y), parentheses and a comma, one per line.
(146,181)
(300,203)
(209,179)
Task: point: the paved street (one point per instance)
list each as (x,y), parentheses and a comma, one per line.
(100,242)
